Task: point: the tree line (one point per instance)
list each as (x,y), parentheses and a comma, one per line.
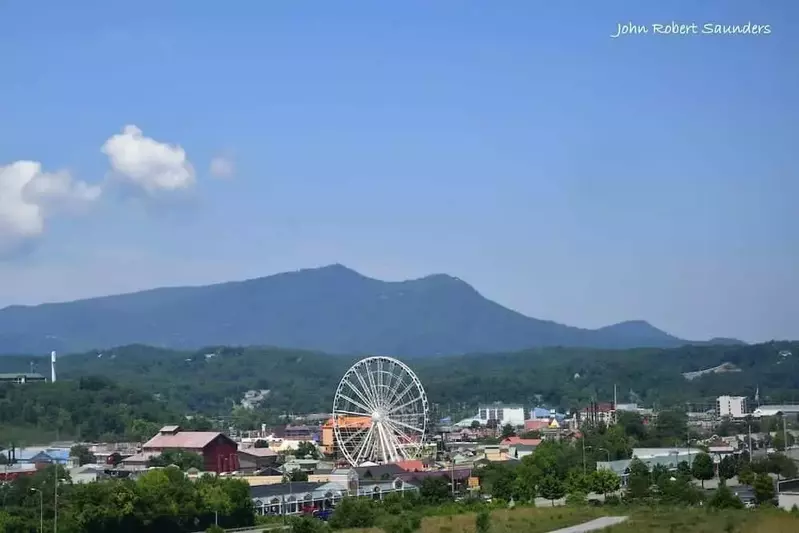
(163,500)
(212,381)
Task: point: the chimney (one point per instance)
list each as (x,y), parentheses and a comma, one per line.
(52,367)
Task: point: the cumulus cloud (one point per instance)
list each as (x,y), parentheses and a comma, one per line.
(148,164)
(28,197)
(222,167)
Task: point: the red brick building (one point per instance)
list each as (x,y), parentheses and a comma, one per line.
(219,452)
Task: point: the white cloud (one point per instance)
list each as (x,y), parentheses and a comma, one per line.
(222,167)
(29,196)
(147,163)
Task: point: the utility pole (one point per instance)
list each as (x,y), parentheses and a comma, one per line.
(55,496)
(784,433)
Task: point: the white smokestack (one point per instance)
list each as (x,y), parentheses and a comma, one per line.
(52,367)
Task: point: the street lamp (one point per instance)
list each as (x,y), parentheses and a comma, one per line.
(605,450)
(41,509)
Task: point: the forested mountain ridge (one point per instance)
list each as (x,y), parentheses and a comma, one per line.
(212,380)
(332,309)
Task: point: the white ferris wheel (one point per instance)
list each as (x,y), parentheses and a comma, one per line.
(380,412)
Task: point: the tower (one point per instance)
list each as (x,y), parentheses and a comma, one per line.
(52,367)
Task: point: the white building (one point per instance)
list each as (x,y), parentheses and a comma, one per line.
(774,410)
(502,414)
(731,406)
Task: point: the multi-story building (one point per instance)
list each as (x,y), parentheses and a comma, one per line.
(731,406)
(498,414)
(596,413)
(502,414)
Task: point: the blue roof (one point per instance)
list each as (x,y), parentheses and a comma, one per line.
(42,454)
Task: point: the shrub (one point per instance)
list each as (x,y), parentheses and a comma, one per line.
(483,521)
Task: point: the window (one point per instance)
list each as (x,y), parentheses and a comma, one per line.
(398,484)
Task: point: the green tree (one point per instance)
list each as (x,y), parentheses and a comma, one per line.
(295,476)
(604,481)
(552,489)
(723,498)
(508,431)
(778,442)
(638,480)
(527,476)
(702,468)
(181,458)
(82,454)
(763,487)
(745,475)
(435,489)
(354,513)
(728,467)
(306,450)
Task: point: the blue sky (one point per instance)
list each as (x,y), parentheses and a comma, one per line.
(514,144)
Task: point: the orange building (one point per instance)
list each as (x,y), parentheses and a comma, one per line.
(347,424)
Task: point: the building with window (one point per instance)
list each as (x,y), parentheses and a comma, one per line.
(313,497)
(498,414)
(597,413)
(21,378)
(731,406)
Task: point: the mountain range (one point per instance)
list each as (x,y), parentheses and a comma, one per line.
(332,309)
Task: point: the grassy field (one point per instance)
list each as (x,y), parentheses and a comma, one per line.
(702,521)
(655,520)
(519,520)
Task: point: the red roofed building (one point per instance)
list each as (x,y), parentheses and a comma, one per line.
(218,451)
(538,424)
(411,465)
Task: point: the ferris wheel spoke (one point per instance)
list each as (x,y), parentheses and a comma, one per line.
(399,398)
(353,436)
(412,428)
(355,403)
(373,388)
(395,427)
(351,413)
(391,453)
(392,393)
(380,379)
(372,400)
(392,434)
(363,445)
(383,444)
(370,407)
(406,404)
(399,433)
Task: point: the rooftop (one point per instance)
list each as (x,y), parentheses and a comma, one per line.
(187,440)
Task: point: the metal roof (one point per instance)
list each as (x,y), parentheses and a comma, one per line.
(299,488)
(186,440)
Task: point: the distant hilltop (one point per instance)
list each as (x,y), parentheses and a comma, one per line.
(332,309)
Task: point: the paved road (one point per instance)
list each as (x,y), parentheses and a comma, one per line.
(593,525)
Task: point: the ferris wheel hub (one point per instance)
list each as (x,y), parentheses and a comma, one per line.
(377,415)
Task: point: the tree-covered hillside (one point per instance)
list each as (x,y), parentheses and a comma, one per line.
(88,408)
(212,381)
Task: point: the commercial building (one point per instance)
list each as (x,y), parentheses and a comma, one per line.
(21,377)
(731,406)
(773,410)
(500,414)
(219,452)
(596,413)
